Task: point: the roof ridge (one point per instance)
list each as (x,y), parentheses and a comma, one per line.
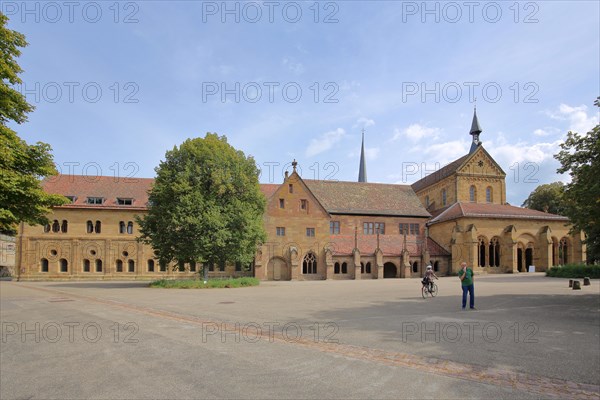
(443,213)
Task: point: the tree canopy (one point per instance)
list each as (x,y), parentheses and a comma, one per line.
(205,205)
(547,198)
(580,157)
(22,166)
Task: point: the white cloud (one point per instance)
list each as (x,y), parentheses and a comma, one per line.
(325,142)
(578,119)
(363,122)
(443,153)
(416,132)
(541,132)
(295,67)
(372,153)
(520,152)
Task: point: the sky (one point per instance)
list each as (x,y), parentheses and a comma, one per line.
(117,84)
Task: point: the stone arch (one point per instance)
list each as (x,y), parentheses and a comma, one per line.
(415,267)
(482,251)
(278,270)
(494,252)
(520,256)
(564,250)
(309,263)
(473,194)
(390,270)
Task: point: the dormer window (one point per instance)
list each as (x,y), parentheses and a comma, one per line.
(71,198)
(124,201)
(95,200)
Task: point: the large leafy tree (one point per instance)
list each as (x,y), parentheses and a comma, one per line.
(205,205)
(547,198)
(580,157)
(22,166)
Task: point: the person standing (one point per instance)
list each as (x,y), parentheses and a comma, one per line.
(466,279)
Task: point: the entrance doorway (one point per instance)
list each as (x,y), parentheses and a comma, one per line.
(278,270)
(389,270)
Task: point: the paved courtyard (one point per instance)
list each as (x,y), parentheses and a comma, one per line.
(530,337)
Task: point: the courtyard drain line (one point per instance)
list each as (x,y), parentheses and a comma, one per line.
(540,385)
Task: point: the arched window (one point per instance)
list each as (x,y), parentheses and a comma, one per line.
(130,227)
(44,265)
(150,265)
(563,251)
(193,266)
(98,265)
(64,226)
(119,266)
(121,226)
(163,266)
(344,268)
(494,253)
(488,194)
(481,244)
(443,197)
(90,227)
(86,265)
(309,265)
(415,267)
(130,266)
(64,265)
(98,226)
(436,266)
(336,268)
(362,268)
(368,268)
(472,194)
(55,226)
(47,228)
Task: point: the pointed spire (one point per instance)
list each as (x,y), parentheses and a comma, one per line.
(362,168)
(475,131)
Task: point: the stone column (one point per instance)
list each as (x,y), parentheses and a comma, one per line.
(357,272)
(544,260)
(379,263)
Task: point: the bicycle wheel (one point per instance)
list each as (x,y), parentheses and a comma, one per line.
(434,290)
(424,291)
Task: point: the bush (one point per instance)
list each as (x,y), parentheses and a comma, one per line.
(575,271)
(199,283)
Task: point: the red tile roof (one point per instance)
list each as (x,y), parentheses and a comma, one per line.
(108,187)
(359,198)
(440,174)
(479,210)
(111,188)
(269,189)
(337,197)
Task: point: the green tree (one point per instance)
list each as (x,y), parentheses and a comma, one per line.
(205,205)
(580,157)
(547,198)
(22,166)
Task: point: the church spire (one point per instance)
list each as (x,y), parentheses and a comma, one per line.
(475,131)
(362,168)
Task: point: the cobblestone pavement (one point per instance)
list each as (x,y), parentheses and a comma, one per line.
(355,321)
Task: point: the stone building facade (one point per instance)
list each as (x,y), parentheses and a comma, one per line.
(315,229)
(471,219)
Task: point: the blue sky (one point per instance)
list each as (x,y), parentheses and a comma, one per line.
(116,84)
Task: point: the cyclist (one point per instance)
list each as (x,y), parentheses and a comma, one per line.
(428,278)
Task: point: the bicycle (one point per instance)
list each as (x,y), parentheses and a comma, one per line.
(430,289)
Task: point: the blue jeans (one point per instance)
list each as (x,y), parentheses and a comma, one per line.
(471,291)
